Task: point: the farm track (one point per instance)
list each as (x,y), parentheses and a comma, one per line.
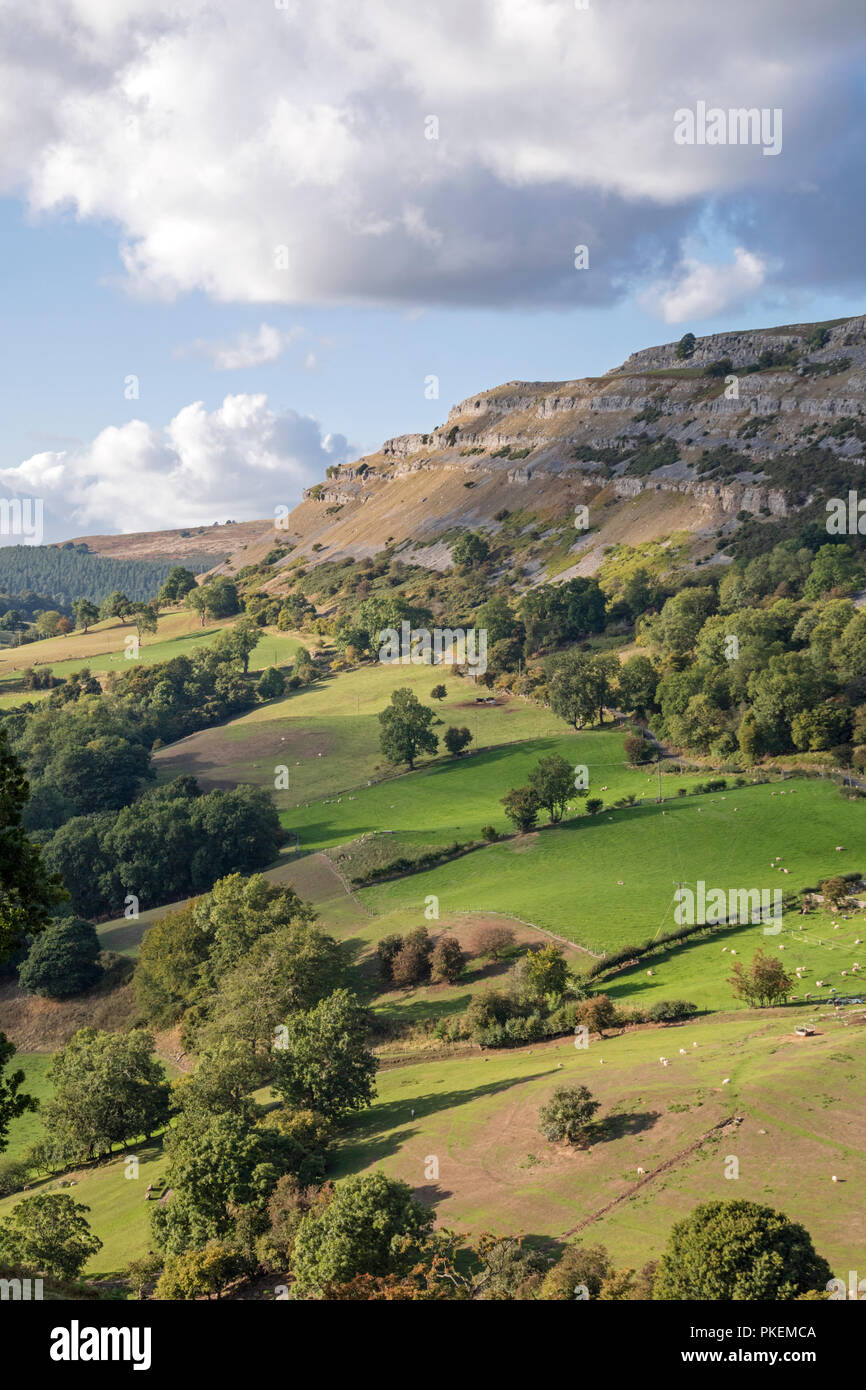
(650,1177)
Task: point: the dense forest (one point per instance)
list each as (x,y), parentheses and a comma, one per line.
(68,574)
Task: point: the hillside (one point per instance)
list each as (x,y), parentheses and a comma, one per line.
(659,445)
(204,544)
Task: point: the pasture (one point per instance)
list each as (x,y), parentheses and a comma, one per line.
(608,881)
(477,1116)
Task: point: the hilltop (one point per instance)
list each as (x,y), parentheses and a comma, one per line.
(713,438)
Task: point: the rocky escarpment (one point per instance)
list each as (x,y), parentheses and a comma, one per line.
(692,442)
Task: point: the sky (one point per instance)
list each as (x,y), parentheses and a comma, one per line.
(242,243)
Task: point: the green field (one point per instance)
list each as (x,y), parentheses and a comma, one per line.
(118,1212)
(607,881)
(24,1131)
(327,735)
(103,649)
(477,1115)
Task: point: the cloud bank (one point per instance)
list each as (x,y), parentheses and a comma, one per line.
(438,154)
(238,462)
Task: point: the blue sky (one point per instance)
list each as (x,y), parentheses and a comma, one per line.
(147,183)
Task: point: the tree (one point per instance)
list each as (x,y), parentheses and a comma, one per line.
(47,623)
(386,953)
(552,780)
(637,684)
(372,1225)
(171,958)
(406,728)
(470,550)
(438,692)
(219,1163)
(568,1113)
(49,1233)
(685,347)
(27,891)
(179,583)
(597,1013)
(521,807)
(457,739)
(143,1272)
(763,983)
(637,749)
(13,1101)
(411,963)
(835,891)
(63,960)
(581,684)
(493,939)
(579,1268)
(737,1250)
(239,642)
(198,1273)
(145,618)
(448,961)
(116,605)
(326,1064)
(546,971)
(272,684)
(85,613)
(109,1088)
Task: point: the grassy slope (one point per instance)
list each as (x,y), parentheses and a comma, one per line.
(609,880)
(103,648)
(477,1115)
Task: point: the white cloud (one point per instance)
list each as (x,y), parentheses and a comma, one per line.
(267,344)
(240,461)
(699,290)
(212,134)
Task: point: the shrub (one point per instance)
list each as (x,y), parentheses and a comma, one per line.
(671,1011)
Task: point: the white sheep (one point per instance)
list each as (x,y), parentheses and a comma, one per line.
(727,1081)
(641,1171)
(682,1052)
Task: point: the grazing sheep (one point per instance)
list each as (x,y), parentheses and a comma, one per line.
(694,1044)
(682,1052)
(727,1081)
(641,1171)
(839,850)
(834,1178)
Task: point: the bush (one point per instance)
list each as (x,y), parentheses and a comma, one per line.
(457,739)
(272,684)
(489,833)
(671,1011)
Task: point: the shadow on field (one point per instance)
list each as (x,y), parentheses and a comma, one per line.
(614,1127)
(384,1129)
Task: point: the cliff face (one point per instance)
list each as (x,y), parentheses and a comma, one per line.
(637,446)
